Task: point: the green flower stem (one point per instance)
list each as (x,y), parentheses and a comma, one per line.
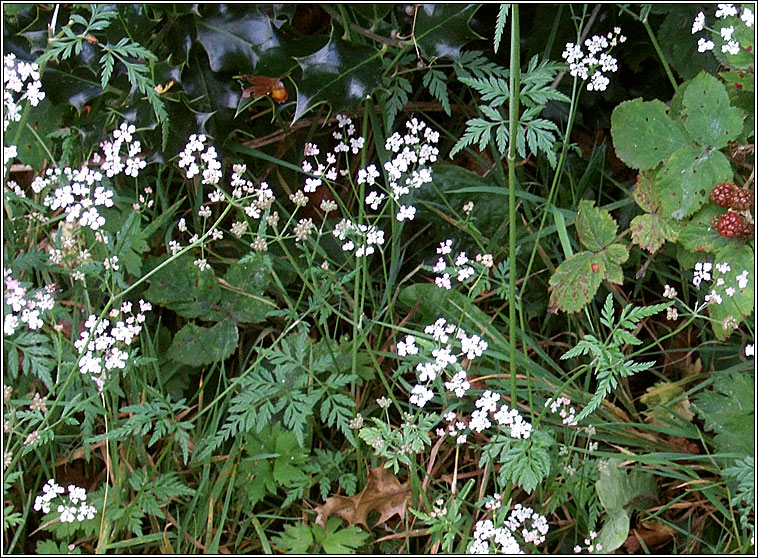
(656,46)
(513,121)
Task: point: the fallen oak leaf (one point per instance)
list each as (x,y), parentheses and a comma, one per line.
(383,493)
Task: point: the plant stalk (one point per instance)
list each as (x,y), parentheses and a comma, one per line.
(513,120)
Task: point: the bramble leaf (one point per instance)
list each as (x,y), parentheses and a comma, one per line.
(684,182)
(707,114)
(595,227)
(643,134)
(575,282)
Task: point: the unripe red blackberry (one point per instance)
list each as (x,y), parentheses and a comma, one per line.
(742,199)
(749,231)
(722,194)
(730,225)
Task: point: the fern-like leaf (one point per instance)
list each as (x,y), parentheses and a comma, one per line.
(502,17)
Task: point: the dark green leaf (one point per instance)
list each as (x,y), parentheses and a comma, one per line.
(195,346)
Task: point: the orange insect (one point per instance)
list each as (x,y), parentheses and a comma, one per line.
(264,85)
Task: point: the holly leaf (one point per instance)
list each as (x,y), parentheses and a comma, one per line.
(684,182)
(644,135)
(383,493)
(341,73)
(443,29)
(235,37)
(707,114)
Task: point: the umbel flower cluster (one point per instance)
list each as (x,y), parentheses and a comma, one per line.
(23,307)
(597,60)
(504,536)
(723,11)
(102,343)
(18,77)
(73,507)
(441,357)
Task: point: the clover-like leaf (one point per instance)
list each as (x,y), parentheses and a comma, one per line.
(684,182)
(708,116)
(644,135)
(195,346)
(595,227)
(341,74)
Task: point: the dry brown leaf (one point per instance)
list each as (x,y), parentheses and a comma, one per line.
(383,493)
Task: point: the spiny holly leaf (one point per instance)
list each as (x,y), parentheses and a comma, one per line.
(383,493)
(442,29)
(707,114)
(643,134)
(341,74)
(595,227)
(195,346)
(685,181)
(575,282)
(235,37)
(742,302)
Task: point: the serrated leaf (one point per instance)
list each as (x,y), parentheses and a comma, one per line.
(707,114)
(502,17)
(526,462)
(295,539)
(435,81)
(343,541)
(697,234)
(685,181)
(643,134)
(575,282)
(644,192)
(651,231)
(195,346)
(612,256)
(251,276)
(595,227)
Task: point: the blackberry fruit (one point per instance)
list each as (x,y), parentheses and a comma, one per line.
(730,225)
(722,194)
(742,199)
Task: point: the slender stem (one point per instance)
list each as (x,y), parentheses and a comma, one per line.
(662,58)
(513,118)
